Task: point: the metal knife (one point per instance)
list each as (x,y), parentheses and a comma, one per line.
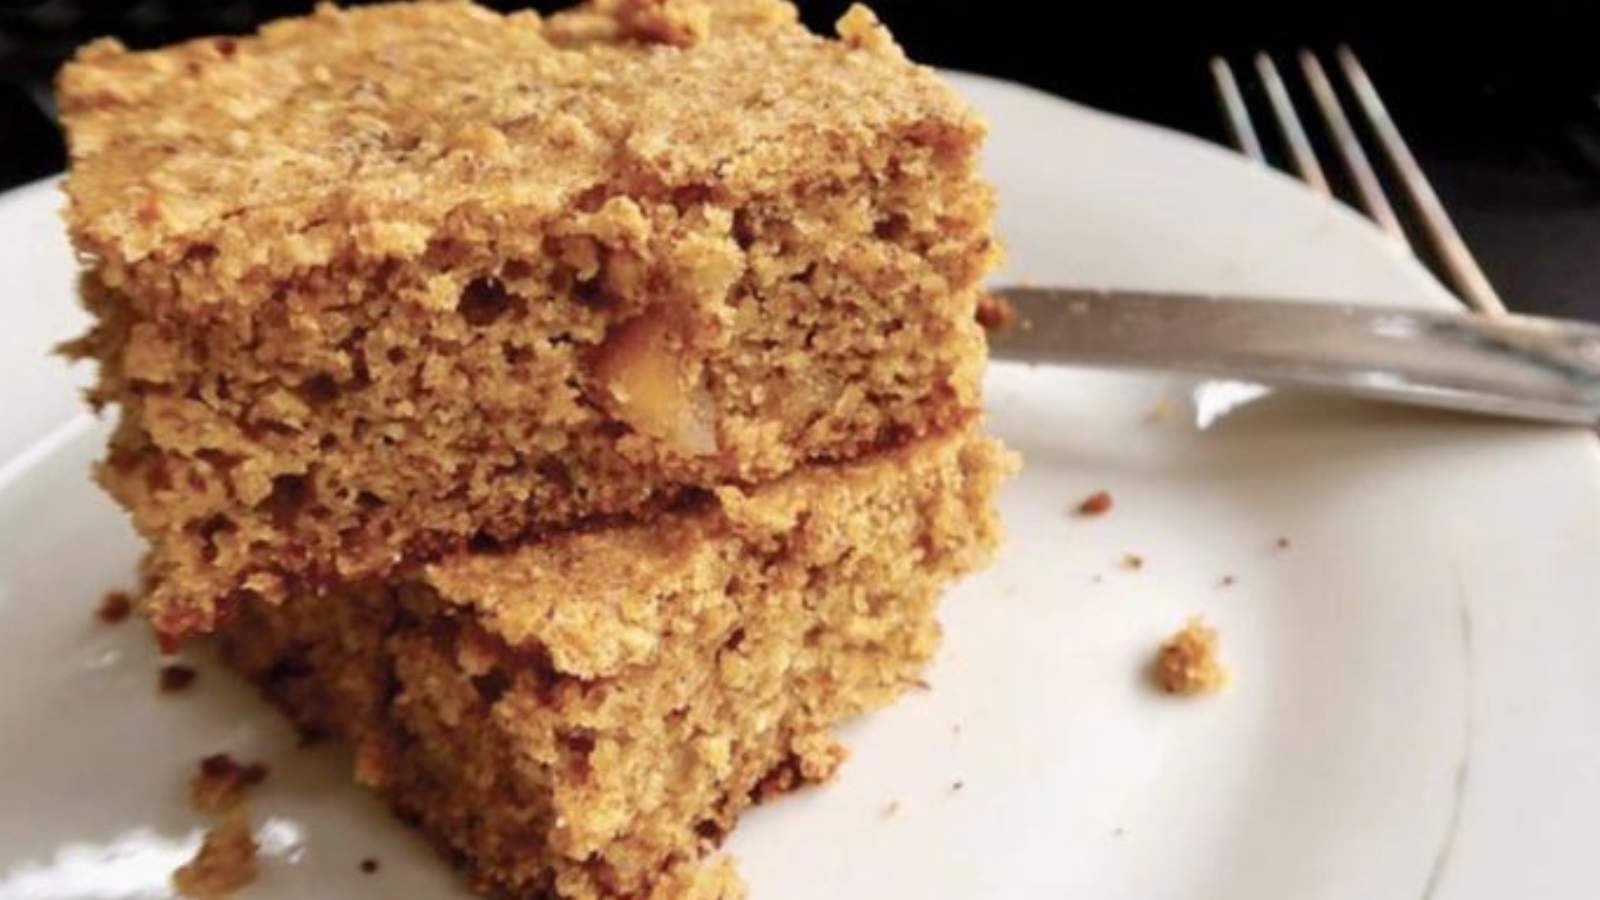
(1515,366)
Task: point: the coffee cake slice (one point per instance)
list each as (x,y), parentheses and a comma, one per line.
(375,283)
(587,716)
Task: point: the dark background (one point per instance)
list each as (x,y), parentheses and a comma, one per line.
(1502,106)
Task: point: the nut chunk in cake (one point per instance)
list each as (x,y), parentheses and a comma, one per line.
(378,283)
(582,715)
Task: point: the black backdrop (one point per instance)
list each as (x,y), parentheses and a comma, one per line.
(1502,106)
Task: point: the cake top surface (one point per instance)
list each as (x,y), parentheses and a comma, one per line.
(380,123)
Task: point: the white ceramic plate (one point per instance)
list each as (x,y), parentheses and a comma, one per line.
(1412,715)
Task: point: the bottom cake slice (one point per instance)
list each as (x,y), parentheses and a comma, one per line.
(585,717)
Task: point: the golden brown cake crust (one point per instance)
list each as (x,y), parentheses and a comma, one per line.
(377,283)
(370,130)
(591,714)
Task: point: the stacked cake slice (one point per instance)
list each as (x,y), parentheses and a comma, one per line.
(579,415)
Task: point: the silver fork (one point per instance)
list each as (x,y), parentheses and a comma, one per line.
(1460,270)
(1491,362)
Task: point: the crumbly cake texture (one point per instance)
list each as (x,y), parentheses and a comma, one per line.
(378,282)
(587,716)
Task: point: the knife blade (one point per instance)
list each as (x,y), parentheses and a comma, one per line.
(1513,366)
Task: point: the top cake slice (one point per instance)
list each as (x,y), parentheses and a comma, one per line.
(374,284)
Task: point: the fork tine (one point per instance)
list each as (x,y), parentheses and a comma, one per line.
(1460,268)
(1369,191)
(1234,111)
(1301,155)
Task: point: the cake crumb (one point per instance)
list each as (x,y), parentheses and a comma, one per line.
(1281,543)
(225,862)
(922,684)
(1097,503)
(1188,663)
(957,785)
(680,23)
(891,808)
(996,313)
(1227,581)
(369,866)
(177,677)
(1133,562)
(859,28)
(221,783)
(114,607)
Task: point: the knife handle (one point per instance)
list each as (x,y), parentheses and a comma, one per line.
(1514,366)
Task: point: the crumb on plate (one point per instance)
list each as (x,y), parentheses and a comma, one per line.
(114,607)
(176,677)
(1188,663)
(369,866)
(225,862)
(1133,562)
(221,782)
(1097,503)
